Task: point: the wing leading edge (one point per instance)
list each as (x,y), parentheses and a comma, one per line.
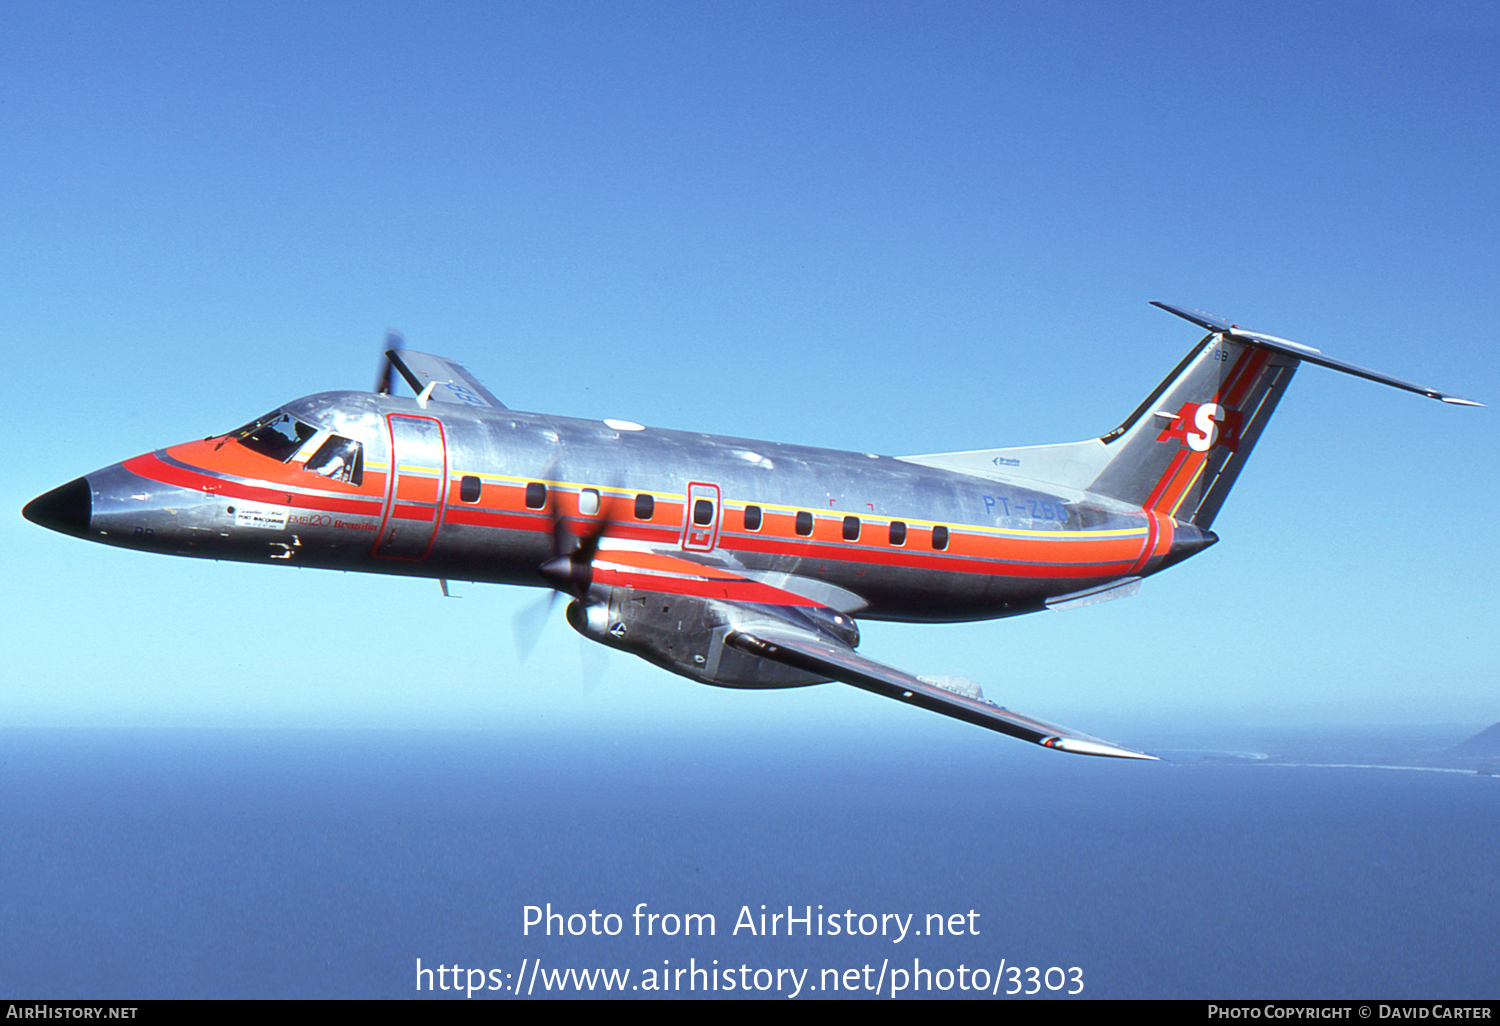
(805,651)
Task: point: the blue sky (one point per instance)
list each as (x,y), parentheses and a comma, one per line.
(883,227)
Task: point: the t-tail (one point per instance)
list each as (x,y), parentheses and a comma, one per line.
(1181,450)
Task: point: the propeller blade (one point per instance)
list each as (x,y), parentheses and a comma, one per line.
(527,624)
(593,663)
(588,544)
(570,568)
(385,378)
(564,541)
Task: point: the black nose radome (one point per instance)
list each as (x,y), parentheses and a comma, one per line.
(66,509)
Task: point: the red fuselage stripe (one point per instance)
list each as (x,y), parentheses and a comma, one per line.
(1033,557)
(729,590)
(152,468)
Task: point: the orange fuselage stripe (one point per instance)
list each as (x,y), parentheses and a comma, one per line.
(1070,555)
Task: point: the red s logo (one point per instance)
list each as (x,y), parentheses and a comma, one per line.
(1203,426)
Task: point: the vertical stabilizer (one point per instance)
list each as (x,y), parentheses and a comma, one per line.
(1181,450)
(1178,453)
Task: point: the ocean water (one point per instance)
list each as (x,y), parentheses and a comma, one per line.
(325,863)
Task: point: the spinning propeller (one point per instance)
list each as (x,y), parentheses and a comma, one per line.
(569,570)
(571,567)
(385,379)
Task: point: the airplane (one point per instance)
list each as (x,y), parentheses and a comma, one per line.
(737,563)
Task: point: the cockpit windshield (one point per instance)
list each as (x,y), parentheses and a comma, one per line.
(277,435)
(282,436)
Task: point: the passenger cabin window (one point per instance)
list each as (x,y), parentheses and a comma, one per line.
(339,459)
(536,495)
(645,507)
(277,435)
(703,512)
(588,502)
(940,538)
(804,523)
(469,488)
(752,518)
(898,533)
(851,529)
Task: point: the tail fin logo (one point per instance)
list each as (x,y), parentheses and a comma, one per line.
(1203,426)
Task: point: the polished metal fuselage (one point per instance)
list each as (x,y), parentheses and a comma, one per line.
(1008,547)
(733,562)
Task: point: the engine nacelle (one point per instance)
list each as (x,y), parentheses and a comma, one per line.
(685,634)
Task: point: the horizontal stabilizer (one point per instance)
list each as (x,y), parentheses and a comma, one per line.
(449,381)
(1307,353)
(806,651)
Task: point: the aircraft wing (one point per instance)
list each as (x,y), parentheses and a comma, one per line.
(450,382)
(770,617)
(805,650)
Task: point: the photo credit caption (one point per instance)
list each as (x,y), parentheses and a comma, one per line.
(539,921)
(888,976)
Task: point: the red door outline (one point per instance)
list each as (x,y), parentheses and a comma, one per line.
(410,519)
(701,537)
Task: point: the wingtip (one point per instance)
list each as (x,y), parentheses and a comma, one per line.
(1080,746)
(1454,400)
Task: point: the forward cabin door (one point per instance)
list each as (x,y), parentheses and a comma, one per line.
(700,529)
(416,491)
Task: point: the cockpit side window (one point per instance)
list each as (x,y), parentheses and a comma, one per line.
(277,435)
(339,459)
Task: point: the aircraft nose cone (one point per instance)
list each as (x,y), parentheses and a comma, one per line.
(66,509)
